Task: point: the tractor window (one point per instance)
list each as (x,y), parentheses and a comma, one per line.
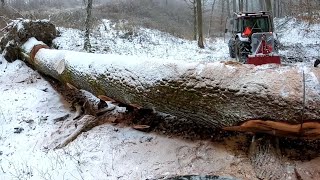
(258,24)
(240,26)
(235,25)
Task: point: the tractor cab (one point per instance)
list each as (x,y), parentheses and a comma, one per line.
(249,32)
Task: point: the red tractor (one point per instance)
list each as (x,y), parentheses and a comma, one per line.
(253,40)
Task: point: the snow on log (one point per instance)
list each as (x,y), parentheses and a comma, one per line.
(217,94)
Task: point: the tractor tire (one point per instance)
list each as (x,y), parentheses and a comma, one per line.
(231,46)
(242,50)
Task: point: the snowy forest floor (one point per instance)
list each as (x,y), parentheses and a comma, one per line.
(30,105)
(29,108)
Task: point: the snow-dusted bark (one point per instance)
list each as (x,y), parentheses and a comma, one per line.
(218,94)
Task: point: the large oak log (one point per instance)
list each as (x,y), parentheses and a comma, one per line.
(218,94)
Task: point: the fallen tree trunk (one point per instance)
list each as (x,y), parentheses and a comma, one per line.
(219,94)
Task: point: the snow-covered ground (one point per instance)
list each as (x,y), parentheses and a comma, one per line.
(29,105)
(299,40)
(122,38)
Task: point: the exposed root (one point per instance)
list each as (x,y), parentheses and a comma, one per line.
(90,112)
(308,130)
(86,122)
(79,112)
(266,158)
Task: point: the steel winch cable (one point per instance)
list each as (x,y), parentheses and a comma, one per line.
(303,101)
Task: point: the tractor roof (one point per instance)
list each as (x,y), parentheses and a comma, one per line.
(248,14)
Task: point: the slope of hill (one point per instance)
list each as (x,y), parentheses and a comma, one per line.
(123,38)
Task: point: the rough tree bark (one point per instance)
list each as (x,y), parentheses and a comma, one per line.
(199,22)
(228,8)
(268,5)
(87,45)
(195,29)
(222,17)
(262,5)
(211,16)
(247,6)
(275,8)
(234,5)
(241,5)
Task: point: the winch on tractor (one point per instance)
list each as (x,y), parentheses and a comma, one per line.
(253,40)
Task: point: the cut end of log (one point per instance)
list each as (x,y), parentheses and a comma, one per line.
(307,130)
(35,49)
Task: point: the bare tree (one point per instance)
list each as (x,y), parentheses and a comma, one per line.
(262,5)
(222,15)
(192,4)
(199,21)
(275,8)
(228,8)
(289,7)
(309,10)
(234,5)
(247,5)
(2,3)
(87,45)
(195,29)
(268,5)
(211,15)
(240,5)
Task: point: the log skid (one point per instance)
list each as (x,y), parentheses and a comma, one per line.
(218,94)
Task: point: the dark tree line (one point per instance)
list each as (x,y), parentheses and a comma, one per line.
(187,20)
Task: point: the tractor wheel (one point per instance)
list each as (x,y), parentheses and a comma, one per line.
(242,50)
